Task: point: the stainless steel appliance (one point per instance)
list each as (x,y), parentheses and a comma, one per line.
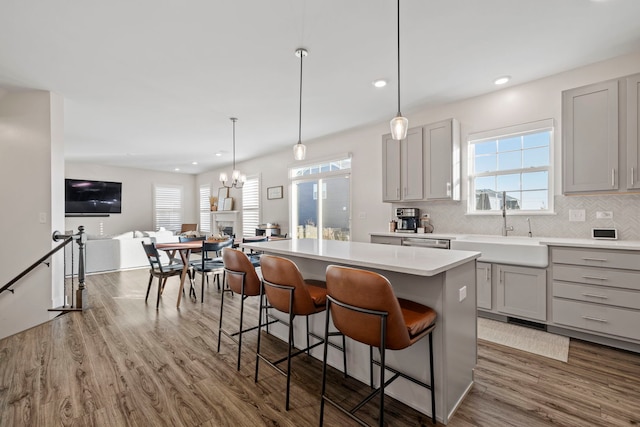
(408,220)
(426,243)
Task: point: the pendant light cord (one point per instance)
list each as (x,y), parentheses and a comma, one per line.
(398,57)
(300,105)
(233,119)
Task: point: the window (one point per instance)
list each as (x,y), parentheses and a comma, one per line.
(321,200)
(516,161)
(250,206)
(167,207)
(205,208)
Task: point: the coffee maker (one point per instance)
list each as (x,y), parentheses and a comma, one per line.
(408,220)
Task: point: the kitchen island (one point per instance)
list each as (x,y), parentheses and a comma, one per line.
(443,280)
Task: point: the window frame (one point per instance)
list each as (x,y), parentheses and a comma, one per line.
(319,177)
(546,125)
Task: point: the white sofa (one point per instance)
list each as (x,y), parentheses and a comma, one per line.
(110,253)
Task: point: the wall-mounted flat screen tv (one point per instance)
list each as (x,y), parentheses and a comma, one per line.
(83,196)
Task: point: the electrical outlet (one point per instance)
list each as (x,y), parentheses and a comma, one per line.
(463,293)
(604,215)
(577,215)
(362,215)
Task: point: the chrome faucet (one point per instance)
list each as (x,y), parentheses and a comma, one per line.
(505,228)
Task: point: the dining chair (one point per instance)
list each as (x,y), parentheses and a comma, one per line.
(188,227)
(162,272)
(254,256)
(211,261)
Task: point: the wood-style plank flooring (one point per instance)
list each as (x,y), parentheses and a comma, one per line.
(123,363)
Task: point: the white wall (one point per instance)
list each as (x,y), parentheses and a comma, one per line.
(137,197)
(30,149)
(516,104)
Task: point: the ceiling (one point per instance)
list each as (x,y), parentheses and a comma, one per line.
(152,83)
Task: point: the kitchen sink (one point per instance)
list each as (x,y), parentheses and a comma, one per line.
(514,250)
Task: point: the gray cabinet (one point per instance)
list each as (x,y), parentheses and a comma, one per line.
(633,131)
(402,167)
(590,138)
(424,166)
(442,160)
(521,291)
(597,291)
(483,285)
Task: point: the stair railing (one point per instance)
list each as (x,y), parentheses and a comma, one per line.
(80,295)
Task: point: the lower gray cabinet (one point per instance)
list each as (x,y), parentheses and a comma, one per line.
(521,291)
(483,285)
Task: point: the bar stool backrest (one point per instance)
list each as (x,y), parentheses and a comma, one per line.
(236,260)
(284,272)
(370,291)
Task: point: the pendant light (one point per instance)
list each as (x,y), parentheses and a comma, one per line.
(399,124)
(299,150)
(237,179)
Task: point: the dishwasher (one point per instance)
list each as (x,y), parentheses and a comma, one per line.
(426,243)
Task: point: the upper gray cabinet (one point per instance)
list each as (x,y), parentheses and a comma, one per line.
(402,167)
(633,131)
(442,160)
(600,129)
(590,138)
(424,166)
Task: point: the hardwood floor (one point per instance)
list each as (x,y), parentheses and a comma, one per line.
(123,363)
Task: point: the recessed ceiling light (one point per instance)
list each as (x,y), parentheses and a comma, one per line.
(502,80)
(218,154)
(194,163)
(177,169)
(379,83)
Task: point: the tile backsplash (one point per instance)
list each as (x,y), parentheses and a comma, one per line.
(451,217)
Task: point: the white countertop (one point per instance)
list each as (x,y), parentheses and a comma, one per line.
(630,245)
(401,259)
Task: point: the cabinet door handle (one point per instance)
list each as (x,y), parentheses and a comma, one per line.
(613,177)
(595,319)
(487,271)
(448,189)
(595,278)
(632,175)
(595,296)
(594,259)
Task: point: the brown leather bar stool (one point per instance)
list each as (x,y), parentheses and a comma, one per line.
(288,292)
(241,278)
(363,307)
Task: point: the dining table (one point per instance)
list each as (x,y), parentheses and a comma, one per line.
(184,249)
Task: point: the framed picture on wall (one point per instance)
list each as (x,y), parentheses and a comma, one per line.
(274,192)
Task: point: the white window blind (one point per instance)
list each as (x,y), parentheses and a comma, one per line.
(250,206)
(167,201)
(205,208)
